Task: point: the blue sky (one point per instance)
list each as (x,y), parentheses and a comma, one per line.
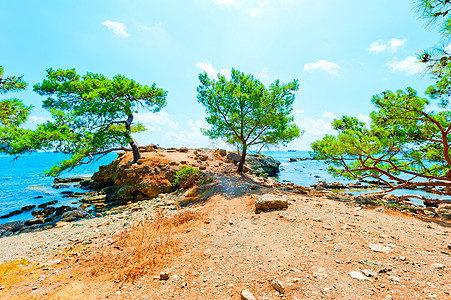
(342,52)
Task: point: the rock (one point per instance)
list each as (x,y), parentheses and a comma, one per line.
(292,159)
(76,213)
(62,209)
(390,198)
(262,165)
(202,167)
(395,278)
(358,276)
(247,295)
(380,209)
(380,248)
(233,156)
(369,273)
(183,149)
(203,157)
(34,222)
(69,179)
(444,213)
(270,202)
(438,266)
(222,152)
(278,286)
(164,275)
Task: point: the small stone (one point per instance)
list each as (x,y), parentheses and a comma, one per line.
(388,297)
(369,273)
(317,219)
(278,286)
(438,266)
(183,149)
(380,209)
(358,275)
(164,275)
(383,270)
(395,278)
(247,295)
(380,248)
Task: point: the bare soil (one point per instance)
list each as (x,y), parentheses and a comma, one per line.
(225,248)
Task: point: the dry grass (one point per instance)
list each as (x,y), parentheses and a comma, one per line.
(144,247)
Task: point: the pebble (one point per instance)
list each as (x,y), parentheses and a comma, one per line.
(247,295)
(380,248)
(438,266)
(358,275)
(395,278)
(164,275)
(278,286)
(369,273)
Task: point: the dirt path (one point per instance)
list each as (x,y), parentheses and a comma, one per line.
(220,247)
(310,248)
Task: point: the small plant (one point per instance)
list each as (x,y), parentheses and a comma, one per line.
(187,177)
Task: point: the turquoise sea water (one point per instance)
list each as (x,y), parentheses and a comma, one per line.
(21,182)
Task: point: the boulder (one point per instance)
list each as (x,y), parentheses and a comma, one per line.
(444,213)
(234,157)
(76,213)
(222,152)
(262,165)
(270,202)
(183,149)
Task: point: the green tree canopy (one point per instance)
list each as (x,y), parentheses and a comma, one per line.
(92,115)
(13,112)
(407,143)
(245,113)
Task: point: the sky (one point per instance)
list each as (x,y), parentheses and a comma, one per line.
(341,52)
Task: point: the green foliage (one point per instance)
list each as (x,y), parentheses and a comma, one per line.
(188,176)
(243,112)
(404,139)
(13,112)
(407,142)
(92,115)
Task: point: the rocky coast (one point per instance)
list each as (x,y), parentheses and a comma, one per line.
(245,236)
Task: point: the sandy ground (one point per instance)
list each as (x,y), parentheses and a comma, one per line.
(310,248)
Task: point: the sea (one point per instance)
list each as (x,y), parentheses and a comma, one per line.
(23,183)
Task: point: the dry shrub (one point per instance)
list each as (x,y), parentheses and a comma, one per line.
(140,250)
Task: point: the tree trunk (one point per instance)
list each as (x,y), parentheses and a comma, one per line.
(243,159)
(133,144)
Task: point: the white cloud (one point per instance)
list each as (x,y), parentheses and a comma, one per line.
(211,71)
(298,111)
(154,120)
(119,29)
(377,47)
(364,118)
(322,65)
(395,44)
(409,65)
(392,45)
(191,133)
(329,115)
(318,127)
